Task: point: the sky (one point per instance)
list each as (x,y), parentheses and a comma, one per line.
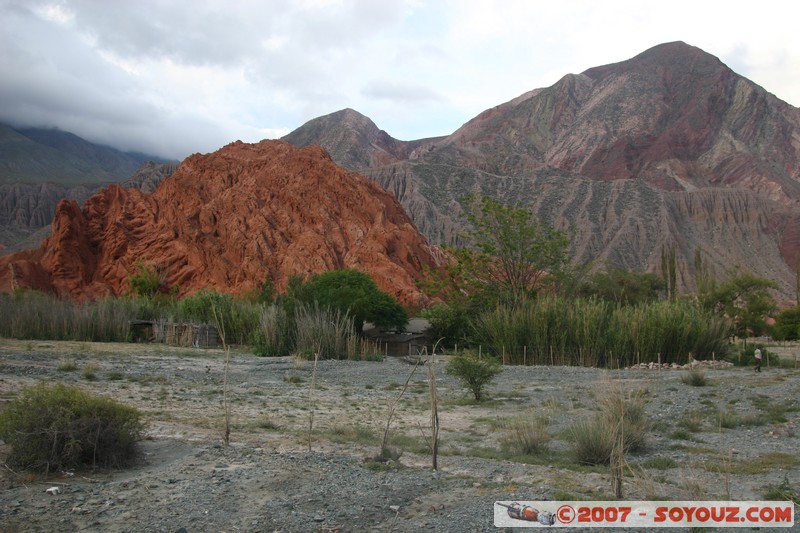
(171,78)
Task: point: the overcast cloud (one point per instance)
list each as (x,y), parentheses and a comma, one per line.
(176,77)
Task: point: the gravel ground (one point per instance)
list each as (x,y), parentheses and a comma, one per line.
(267,480)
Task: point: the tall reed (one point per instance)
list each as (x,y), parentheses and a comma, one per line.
(592,332)
(35,315)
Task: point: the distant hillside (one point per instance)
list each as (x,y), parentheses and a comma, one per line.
(40,167)
(27,209)
(34,155)
(668,149)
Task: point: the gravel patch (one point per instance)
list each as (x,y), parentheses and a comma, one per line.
(267,480)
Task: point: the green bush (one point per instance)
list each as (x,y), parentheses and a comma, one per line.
(474,372)
(60,427)
(146,281)
(353,292)
(239,318)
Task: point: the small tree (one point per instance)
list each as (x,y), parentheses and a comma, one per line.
(787,325)
(474,372)
(146,282)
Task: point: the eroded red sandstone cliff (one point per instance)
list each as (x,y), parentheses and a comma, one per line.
(226,221)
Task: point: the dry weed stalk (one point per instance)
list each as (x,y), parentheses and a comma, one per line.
(390,415)
(434,408)
(311,399)
(617,460)
(220,323)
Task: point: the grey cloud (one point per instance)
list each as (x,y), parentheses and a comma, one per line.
(401,92)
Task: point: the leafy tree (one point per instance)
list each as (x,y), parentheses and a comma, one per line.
(623,287)
(512,252)
(787,325)
(743,297)
(350,291)
(449,321)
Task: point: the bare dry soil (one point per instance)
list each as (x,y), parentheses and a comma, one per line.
(301,440)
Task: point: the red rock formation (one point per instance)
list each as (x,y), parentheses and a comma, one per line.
(226,221)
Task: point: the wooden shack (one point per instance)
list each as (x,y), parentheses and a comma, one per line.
(186,334)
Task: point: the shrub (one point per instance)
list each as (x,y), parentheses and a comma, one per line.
(67,365)
(527,436)
(621,417)
(60,427)
(90,371)
(696,377)
(474,372)
(146,281)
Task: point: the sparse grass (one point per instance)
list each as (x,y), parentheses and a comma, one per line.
(527,436)
(730,419)
(660,463)
(773,410)
(114,376)
(90,371)
(345,434)
(692,421)
(681,434)
(67,365)
(696,377)
(409,443)
(294,379)
(268,424)
(757,465)
(784,491)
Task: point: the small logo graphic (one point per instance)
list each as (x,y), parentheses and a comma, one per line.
(566,514)
(529,514)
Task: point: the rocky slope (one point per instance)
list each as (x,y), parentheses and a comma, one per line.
(27,209)
(227,221)
(669,148)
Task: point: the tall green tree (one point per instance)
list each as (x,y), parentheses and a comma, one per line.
(743,297)
(512,251)
(623,287)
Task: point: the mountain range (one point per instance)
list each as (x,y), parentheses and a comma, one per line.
(670,149)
